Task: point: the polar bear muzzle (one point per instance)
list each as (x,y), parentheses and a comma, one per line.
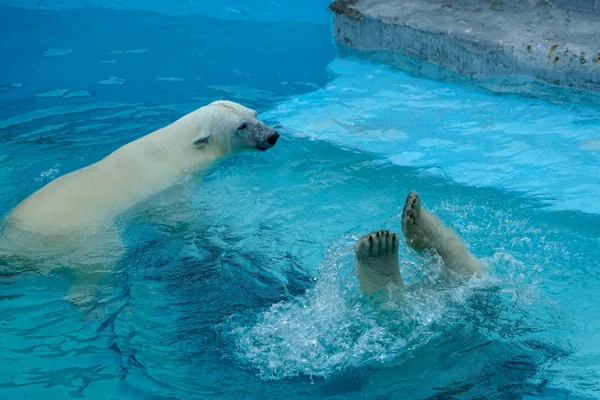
(257,135)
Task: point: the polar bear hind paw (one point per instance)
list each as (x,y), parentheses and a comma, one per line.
(412,209)
(376,244)
(413,224)
(377,262)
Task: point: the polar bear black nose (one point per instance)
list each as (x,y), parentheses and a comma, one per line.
(273,139)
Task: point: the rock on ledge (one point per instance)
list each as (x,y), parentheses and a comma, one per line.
(556,42)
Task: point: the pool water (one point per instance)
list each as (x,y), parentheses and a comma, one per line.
(247,289)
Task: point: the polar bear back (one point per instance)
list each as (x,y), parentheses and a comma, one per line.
(86,200)
(89,197)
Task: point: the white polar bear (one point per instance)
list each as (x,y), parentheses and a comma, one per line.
(87,200)
(70,221)
(377,264)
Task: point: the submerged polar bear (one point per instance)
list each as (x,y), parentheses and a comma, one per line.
(87,200)
(377,265)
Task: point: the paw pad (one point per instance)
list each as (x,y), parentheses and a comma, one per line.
(411,209)
(376,243)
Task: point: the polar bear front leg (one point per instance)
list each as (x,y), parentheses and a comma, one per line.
(377,262)
(94,260)
(425,231)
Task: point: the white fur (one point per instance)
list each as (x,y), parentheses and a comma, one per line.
(447,244)
(87,200)
(377,266)
(425,231)
(69,222)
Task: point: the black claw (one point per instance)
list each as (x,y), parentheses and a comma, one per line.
(377,234)
(393,237)
(370,239)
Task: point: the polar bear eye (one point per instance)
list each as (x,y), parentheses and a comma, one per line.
(242,126)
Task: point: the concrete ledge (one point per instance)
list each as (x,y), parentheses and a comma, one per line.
(578,5)
(481,39)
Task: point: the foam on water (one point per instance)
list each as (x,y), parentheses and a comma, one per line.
(332,329)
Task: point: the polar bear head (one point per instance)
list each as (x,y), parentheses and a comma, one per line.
(228,128)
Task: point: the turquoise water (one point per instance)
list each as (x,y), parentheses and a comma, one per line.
(247,290)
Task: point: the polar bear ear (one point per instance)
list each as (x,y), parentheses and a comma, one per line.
(202,141)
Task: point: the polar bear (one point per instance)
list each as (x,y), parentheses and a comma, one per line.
(70,221)
(376,261)
(87,200)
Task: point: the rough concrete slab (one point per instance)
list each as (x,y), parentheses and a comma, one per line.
(537,39)
(578,5)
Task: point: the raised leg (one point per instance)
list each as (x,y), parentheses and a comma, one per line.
(377,262)
(425,231)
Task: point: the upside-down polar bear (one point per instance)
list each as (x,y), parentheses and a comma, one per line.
(75,212)
(376,259)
